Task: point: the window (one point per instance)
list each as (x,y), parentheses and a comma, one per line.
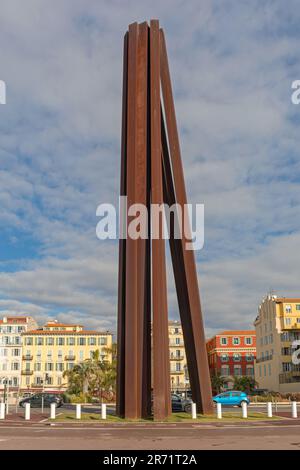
(236,341)
(178,366)
(260,371)
(236,357)
(224,357)
(288,309)
(271,338)
(81,341)
(250,371)
(298,320)
(224,341)
(38,367)
(297,306)
(288,321)
(71,341)
(48,366)
(81,355)
(269,366)
(16,352)
(92,341)
(248,340)
(249,357)
(60,341)
(237,370)
(59,366)
(102,341)
(225,371)
(28,341)
(39,341)
(50,341)
(177,340)
(286,366)
(15,366)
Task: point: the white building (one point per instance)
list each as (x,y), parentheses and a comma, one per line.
(11,329)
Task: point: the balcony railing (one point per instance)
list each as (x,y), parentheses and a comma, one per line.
(27,357)
(70,357)
(174,357)
(27,372)
(177,371)
(264,359)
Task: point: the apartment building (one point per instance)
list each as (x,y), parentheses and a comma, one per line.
(178,363)
(55,348)
(278,329)
(11,329)
(232,353)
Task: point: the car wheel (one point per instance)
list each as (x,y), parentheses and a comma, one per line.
(241,403)
(188,408)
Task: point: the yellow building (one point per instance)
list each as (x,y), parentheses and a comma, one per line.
(55,348)
(277,328)
(178,364)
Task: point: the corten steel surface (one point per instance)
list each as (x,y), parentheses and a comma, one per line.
(152,173)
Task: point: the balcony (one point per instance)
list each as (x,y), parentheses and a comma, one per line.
(27,372)
(70,357)
(27,357)
(176,371)
(289,377)
(174,357)
(264,359)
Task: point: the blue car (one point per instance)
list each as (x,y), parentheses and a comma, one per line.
(232,398)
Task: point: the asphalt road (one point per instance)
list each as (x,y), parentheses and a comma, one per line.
(285,435)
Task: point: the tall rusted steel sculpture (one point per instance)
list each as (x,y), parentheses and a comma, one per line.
(152,173)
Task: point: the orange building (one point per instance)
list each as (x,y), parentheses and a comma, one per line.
(232,353)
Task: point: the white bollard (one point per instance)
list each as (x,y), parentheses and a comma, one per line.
(269,409)
(219,410)
(244,409)
(194,411)
(52,410)
(27,411)
(78,411)
(103,411)
(2,410)
(294,409)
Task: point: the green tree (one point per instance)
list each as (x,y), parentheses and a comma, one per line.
(244,384)
(218,382)
(94,376)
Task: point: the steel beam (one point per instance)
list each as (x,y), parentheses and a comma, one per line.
(161,361)
(191,317)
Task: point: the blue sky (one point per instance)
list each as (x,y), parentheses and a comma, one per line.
(232,66)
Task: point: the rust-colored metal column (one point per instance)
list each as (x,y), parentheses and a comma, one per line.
(122,251)
(161,361)
(132,358)
(191,316)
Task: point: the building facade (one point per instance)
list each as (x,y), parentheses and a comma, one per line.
(55,348)
(232,353)
(178,363)
(278,329)
(11,329)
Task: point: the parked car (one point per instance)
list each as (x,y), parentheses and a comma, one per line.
(180,404)
(232,398)
(37,399)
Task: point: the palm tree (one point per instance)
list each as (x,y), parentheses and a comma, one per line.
(218,382)
(80,376)
(244,383)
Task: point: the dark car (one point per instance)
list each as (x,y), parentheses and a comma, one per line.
(36,400)
(180,404)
